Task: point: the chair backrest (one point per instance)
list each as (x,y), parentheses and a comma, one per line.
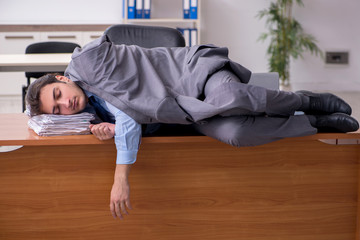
(145,36)
(48,47)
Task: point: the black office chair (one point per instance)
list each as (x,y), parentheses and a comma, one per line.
(145,36)
(150,37)
(45,47)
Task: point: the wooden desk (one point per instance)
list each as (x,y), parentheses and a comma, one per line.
(34,62)
(181,188)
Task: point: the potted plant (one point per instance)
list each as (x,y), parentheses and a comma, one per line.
(287,38)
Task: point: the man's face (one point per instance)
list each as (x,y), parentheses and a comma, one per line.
(62,98)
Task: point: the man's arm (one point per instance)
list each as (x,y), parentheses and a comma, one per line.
(127,134)
(120,193)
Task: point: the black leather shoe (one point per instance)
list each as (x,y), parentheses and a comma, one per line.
(336,122)
(324,103)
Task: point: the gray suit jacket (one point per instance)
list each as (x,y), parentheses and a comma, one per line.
(151,85)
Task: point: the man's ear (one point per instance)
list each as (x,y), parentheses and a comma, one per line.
(62,78)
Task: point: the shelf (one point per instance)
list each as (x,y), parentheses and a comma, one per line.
(170,20)
(162,20)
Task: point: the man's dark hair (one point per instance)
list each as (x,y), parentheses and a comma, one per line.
(33,92)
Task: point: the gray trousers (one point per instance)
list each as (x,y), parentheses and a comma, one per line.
(254,119)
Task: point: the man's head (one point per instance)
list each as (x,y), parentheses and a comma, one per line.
(55,94)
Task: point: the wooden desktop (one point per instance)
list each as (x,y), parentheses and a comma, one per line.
(181,188)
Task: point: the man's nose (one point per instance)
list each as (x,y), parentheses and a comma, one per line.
(64,102)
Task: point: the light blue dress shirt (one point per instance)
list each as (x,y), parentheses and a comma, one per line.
(127,132)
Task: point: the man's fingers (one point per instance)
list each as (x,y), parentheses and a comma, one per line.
(112,210)
(117,210)
(107,131)
(128,204)
(102,132)
(97,131)
(123,208)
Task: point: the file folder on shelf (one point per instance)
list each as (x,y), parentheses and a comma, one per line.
(131,9)
(193,37)
(190,36)
(186,9)
(186,34)
(147,8)
(193,9)
(139,9)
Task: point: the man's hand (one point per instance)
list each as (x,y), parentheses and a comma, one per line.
(120,192)
(103,131)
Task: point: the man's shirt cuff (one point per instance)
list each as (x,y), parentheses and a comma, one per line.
(126,157)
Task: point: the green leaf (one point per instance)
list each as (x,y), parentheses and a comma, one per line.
(287,37)
(263,37)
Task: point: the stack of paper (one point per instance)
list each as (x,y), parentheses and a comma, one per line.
(56,125)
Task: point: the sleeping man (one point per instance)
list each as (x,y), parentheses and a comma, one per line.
(133,88)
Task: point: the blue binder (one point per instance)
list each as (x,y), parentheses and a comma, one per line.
(131,9)
(186,9)
(147,8)
(193,9)
(139,9)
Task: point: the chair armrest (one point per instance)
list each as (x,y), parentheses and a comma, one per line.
(266,80)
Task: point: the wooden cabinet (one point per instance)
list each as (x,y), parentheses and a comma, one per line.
(16,42)
(13,43)
(90,36)
(75,37)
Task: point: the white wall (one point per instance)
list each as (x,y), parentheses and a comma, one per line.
(231,23)
(60,11)
(334,24)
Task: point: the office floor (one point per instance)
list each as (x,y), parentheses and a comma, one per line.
(12,104)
